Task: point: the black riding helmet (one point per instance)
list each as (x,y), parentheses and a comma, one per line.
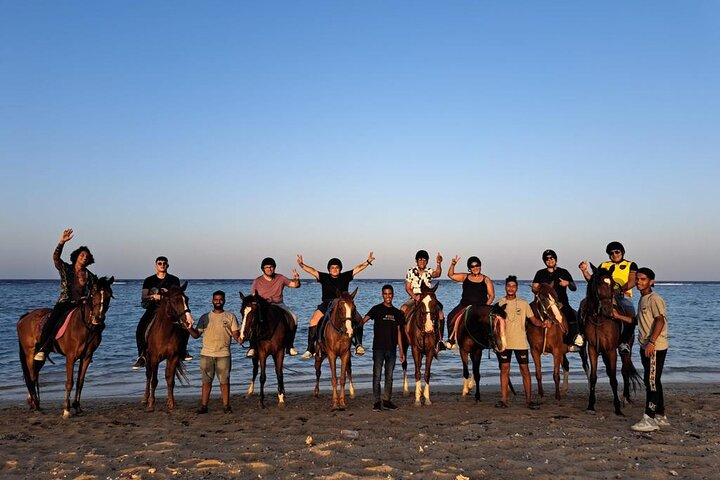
(614,246)
(422,254)
(334,261)
(268,261)
(549,253)
(472,260)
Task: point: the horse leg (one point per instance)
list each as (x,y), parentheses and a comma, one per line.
(152,381)
(69,370)
(610,359)
(417,359)
(263,376)
(318,365)
(566,375)
(82,370)
(426,392)
(593,357)
(627,374)
(332,360)
(30,373)
(278,359)
(351,387)
(256,367)
(466,373)
(170,367)
(537,360)
(404,364)
(343,373)
(557,360)
(477,357)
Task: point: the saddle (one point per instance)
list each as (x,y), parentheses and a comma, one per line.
(63,326)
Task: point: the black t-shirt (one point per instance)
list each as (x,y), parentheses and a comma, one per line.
(386,322)
(553,278)
(153,284)
(330,285)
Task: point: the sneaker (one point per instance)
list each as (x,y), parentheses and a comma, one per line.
(624,348)
(579,340)
(389,405)
(441,346)
(449,345)
(647,424)
(227,409)
(662,421)
(359,350)
(292,352)
(251,353)
(139,363)
(202,409)
(39,357)
(307,355)
(376,407)
(573,348)
(188,357)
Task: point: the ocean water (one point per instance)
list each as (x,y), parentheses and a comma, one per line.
(693,311)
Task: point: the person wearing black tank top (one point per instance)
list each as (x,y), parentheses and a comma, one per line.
(477,289)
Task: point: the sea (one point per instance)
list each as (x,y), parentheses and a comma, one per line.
(693,312)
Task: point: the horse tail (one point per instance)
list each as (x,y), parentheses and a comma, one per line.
(181,373)
(635,378)
(33,389)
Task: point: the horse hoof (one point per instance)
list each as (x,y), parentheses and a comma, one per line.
(590,412)
(66,414)
(428,402)
(417,403)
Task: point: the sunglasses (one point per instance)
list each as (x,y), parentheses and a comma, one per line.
(615,252)
(162,263)
(474,265)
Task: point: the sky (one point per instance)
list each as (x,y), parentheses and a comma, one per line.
(221,132)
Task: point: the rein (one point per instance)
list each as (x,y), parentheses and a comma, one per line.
(469,333)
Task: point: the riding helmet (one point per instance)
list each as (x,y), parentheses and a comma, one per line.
(334,261)
(614,246)
(549,253)
(268,261)
(472,260)
(422,254)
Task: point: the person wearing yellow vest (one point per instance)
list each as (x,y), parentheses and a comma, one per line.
(624,274)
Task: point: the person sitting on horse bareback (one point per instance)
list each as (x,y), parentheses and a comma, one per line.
(333,282)
(560,280)
(624,275)
(76,281)
(414,278)
(152,289)
(477,289)
(270,287)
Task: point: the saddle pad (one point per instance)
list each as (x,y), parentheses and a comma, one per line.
(61,332)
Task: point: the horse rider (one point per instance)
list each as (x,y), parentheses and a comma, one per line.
(152,290)
(560,280)
(624,274)
(333,282)
(270,287)
(414,278)
(76,281)
(477,289)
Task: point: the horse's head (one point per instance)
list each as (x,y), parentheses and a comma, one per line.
(175,303)
(100,296)
(497,310)
(250,311)
(548,306)
(427,311)
(600,290)
(344,312)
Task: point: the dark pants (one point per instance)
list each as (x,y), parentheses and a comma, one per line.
(58,314)
(572,322)
(654,398)
(142,328)
(627,308)
(386,357)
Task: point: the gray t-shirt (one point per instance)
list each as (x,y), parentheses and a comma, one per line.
(651,306)
(216,328)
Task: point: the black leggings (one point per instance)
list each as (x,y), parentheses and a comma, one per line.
(58,314)
(654,398)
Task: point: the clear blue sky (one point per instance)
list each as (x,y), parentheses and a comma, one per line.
(217,133)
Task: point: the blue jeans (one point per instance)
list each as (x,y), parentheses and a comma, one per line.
(381,357)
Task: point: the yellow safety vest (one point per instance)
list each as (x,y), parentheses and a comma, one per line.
(621,273)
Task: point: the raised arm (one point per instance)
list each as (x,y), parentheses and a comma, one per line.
(308,268)
(295,283)
(65,237)
(584,269)
(438,266)
(458,277)
(364,264)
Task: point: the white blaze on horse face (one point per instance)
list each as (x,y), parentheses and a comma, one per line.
(428,316)
(606,280)
(246,311)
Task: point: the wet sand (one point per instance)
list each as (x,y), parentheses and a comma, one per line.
(454,438)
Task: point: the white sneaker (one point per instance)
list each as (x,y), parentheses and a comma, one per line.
(292,352)
(579,341)
(251,352)
(359,350)
(662,420)
(307,355)
(449,346)
(39,357)
(624,348)
(647,424)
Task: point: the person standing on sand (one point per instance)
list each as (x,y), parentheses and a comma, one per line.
(219,327)
(414,279)
(332,282)
(270,287)
(653,339)
(517,311)
(387,338)
(75,284)
(153,288)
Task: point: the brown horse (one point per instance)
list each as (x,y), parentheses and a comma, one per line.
(79,341)
(544,341)
(602,334)
(476,332)
(267,329)
(421,334)
(334,342)
(166,335)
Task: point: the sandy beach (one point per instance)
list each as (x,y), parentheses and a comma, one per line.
(454,438)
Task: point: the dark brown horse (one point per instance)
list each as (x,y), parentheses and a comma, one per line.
(476,332)
(334,342)
(602,334)
(545,341)
(167,336)
(81,338)
(266,327)
(421,335)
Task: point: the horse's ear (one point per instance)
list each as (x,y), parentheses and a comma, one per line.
(435,287)
(183,286)
(111,280)
(612,269)
(593,268)
(242,297)
(352,295)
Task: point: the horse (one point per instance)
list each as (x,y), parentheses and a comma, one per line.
(167,335)
(602,335)
(421,334)
(544,341)
(266,326)
(476,331)
(334,342)
(80,339)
